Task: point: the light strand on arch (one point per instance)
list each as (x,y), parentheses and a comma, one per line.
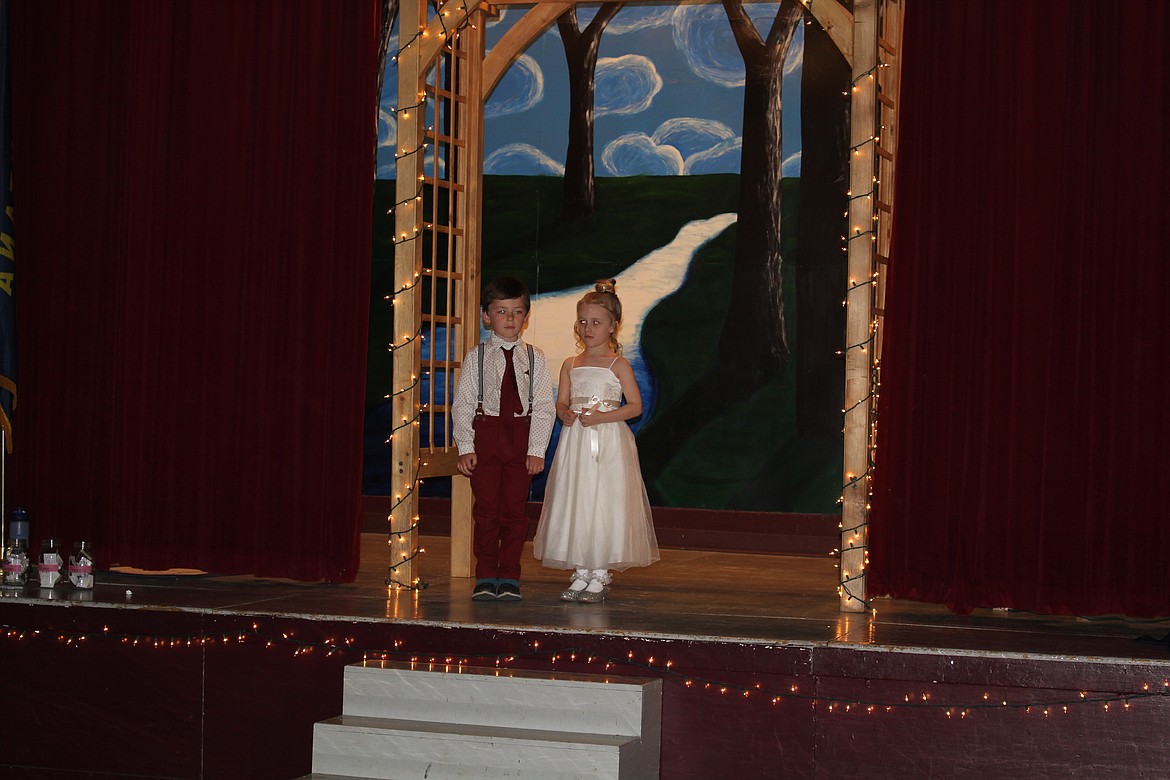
(411,489)
(868,401)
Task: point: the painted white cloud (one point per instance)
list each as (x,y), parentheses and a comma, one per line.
(723,157)
(682,145)
(429,166)
(521,88)
(691,135)
(625,85)
(631,18)
(795,53)
(387,120)
(521,159)
(387,129)
(702,34)
(791,166)
(387,143)
(636,154)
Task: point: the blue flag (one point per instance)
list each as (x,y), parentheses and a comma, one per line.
(7,255)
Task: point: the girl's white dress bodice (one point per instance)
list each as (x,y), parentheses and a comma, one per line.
(596,514)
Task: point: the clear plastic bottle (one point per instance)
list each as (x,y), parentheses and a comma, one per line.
(49,566)
(16,554)
(81,566)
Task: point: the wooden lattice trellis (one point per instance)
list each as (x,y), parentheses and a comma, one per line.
(437,227)
(437,258)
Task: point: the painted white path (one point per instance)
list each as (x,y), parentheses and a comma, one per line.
(641,287)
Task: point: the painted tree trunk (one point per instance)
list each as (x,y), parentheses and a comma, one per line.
(579,198)
(755,336)
(581,47)
(821,265)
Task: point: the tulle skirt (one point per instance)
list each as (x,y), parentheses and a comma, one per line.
(596,514)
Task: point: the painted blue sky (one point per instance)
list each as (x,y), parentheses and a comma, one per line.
(669,97)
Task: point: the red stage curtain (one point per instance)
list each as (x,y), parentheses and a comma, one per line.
(193,197)
(1023,418)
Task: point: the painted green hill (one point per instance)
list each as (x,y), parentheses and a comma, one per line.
(738,450)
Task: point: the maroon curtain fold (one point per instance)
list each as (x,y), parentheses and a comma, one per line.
(194,195)
(1023,418)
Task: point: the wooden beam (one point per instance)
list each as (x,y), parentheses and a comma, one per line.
(407,258)
(838,23)
(830,14)
(470,174)
(433,36)
(855,35)
(516,40)
(861,249)
(889,81)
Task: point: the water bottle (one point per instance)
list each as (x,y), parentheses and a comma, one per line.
(81,566)
(49,565)
(16,554)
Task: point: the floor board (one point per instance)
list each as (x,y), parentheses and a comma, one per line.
(689,593)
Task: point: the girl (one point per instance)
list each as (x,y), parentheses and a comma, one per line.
(596,516)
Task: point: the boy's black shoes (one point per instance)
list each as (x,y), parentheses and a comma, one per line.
(508,590)
(493,590)
(485,590)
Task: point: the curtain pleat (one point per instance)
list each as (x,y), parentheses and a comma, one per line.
(1022,416)
(194,197)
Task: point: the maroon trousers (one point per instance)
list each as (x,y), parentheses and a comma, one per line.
(500,484)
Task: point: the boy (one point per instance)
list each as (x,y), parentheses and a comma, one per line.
(503,417)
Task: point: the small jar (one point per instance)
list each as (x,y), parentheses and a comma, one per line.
(81,566)
(49,566)
(16,563)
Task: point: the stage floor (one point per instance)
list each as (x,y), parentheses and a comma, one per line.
(708,596)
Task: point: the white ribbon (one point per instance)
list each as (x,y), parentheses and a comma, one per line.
(588,406)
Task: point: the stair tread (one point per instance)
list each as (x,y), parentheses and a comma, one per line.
(519,675)
(474,731)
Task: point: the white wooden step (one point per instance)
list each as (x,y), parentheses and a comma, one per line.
(393,749)
(571,703)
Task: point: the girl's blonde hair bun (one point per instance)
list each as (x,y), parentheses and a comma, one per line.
(604,295)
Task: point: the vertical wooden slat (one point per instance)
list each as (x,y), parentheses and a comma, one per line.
(453,80)
(889,78)
(407,319)
(433,216)
(463,189)
(470,169)
(859,298)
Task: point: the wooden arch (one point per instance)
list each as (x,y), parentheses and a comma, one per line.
(441,249)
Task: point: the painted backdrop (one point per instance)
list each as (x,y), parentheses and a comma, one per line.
(709,179)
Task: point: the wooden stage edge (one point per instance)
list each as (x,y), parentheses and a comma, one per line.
(223,677)
(772,533)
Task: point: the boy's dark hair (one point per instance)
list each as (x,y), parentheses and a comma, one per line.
(504,288)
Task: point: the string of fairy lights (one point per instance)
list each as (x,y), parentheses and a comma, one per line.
(855,537)
(349,650)
(442,14)
(402,533)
